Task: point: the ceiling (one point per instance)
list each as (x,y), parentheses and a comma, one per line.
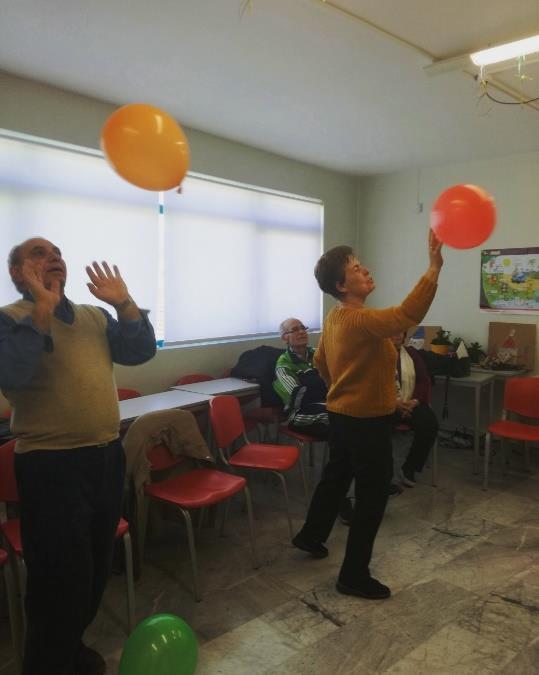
(295,77)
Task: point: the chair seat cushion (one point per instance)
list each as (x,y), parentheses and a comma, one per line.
(195,489)
(516,430)
(265,456)
(11,530)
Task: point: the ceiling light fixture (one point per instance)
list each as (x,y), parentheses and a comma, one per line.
(511,50)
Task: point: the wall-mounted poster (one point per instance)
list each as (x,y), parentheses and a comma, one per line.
(510,280)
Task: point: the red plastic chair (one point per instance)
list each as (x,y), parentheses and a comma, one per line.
(305,441)
(196,489)
(227,425)
(521,397)
(194,377)
(11,531)
(125,394)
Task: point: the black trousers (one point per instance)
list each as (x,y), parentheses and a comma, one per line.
(70,506)
(424,425)
(360,449)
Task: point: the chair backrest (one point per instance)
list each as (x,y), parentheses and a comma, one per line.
(124,394)
(8,484)
(161,458)
(522,396)
(194,377)
(226,420)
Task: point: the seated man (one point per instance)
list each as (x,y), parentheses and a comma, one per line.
(413,397)
(298,383)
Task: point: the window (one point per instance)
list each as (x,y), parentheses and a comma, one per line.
(219,260)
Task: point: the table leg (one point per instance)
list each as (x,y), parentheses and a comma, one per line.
(476,428)
(491,403)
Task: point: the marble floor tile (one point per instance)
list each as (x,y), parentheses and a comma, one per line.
(454,650)
(485,566)
(463,566)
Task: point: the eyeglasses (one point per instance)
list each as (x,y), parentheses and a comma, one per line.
(296,329)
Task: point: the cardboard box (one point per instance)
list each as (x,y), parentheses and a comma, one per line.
(420,337)
(512,343)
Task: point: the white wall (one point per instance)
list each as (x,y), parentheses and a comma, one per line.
(40,110)
(392,236)
(391,240)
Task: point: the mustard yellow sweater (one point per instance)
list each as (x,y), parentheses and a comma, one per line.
(357,359)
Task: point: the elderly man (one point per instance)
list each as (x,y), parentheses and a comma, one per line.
(56,370)
(298,383)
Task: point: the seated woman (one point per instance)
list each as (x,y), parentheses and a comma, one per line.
(413,398)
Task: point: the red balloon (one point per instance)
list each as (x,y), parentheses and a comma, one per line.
(463,216)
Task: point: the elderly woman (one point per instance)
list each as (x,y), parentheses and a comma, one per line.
(357,360)
(413,397)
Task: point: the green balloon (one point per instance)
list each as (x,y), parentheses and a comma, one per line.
(162,644)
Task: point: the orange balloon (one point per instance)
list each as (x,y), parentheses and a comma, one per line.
(146,147)
(463,216)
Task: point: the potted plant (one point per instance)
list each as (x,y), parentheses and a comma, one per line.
(476,352)
(441,342)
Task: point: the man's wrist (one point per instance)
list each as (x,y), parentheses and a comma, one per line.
(124,305)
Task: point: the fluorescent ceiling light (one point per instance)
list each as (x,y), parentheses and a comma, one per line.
(511,50)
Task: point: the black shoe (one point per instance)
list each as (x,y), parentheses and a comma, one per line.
(346,512)
(395,490)
(89,662)
(407,476)
(315,548)
(371,589)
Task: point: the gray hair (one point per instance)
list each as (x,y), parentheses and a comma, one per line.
(283,327)
(14,259)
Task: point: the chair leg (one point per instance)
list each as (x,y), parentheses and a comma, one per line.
(311,453)
(486,460)
(527,465)
(143,505)
(201,516)
(304,479)
(224,514)
(130,583)
(192,552)
(249,505)
(13,618)
(434,477)
(285,490)
(505,456)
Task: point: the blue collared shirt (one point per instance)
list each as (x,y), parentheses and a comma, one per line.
(22,343)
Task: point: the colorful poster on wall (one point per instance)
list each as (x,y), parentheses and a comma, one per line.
(510,280)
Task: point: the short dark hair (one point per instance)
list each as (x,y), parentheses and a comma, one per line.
(330,269)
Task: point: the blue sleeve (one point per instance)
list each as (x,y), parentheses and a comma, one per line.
(130,342)
(21,347)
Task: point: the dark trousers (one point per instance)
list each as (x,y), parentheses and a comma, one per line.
(70,506)
(360,449)
(424,425)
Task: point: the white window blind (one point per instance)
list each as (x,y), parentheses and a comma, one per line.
(222,261)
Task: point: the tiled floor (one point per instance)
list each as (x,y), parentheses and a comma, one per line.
(463,566)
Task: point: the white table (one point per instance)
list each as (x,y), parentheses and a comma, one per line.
(475,381)
(225,385)
(166,400)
